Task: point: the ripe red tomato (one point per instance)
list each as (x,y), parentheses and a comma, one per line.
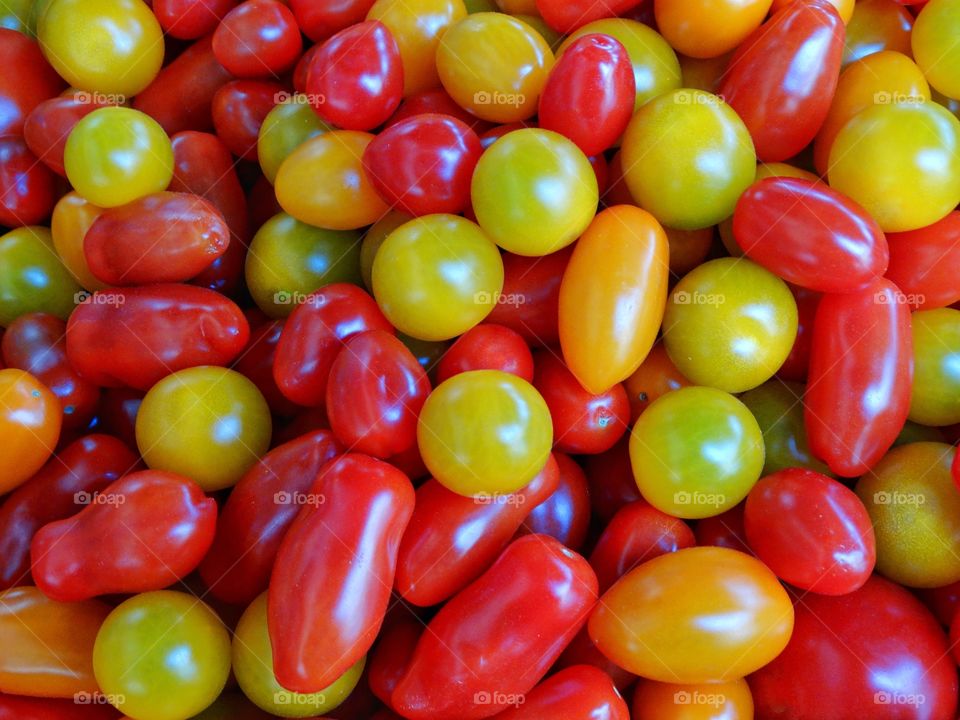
(578,691)
(565,514)
(49,124)
(27,186)
(487,347)
(921,263)
(27,80)
(258,38)
(190,19)
(239,108)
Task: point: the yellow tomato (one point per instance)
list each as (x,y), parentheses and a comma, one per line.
(936,360)
(284,129)
(877,25)
(844,7)
(935,46)
(72,217)
(708,28)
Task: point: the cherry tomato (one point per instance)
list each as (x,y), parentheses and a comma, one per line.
(724,530)
(49,124)
(321,20)
(285,128)
(932,41)
(798,361)
(487,347)
(30,418)
(28,81)
(27,186)
(238,110)
(936,351)
(578,691)
(610,479)
(32,277)
(565,514)
(703,29)
(258,38)
(876,26)
(703,701)
(72,217)
(656,376)
(920,262)
(190,19)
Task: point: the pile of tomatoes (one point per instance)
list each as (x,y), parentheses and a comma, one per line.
(460,359)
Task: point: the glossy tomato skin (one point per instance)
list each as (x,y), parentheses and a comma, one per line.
(321,20)
(314,334)
(336,566)
(30,421)
(390,656)
(29,80)
(810,235)
(436,101)
(921,262)
(238,110)
(47,127)
(795,367)
(27,186)
(258,512)
(707,30)
(452,539)
(256,364)
(590,93)
(497,637)
(860,655)
(700,701)
(142,532)
(258,38)
(355,80)
(861,371)
(565,17)
(136,336)
(565,514)
(487,347)
(190,19)
(424,164)
(812,531)
(577,691)
(782,78)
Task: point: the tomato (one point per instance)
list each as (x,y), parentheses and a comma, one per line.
(437,276)
(137,336)
(30,419)
(935,398)
(484,431)
(331,581)
(612,296)
(875,26)
(703,701)
(239,108)
(29,80)
(14,707)
(48,645)
(782,78)
(487,347)
(933,45)
(724,530)
(285,128)
(495,66)
(47,127)
(451,539)
(708,29)
(162,655)
(920,262)
(319,21)
(798,361)
(810,235)
(729,324)
(565,514)
(685,143)
(423,164)
(391,654)
(578,691)
(323,182)
(190,19)
(258,38)
(27,186)
(861,371)
(32,277)
(684,617)
(637,533)
(874,654)
(656,376)
(253,668)
(492,642)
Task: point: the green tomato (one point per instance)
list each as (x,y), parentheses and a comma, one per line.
(32,276)
(16,15)
(284,129)
(936,362)
(913,433)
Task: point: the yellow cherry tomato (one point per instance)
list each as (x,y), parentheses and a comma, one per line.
(115,155)
(877,25)
(374,238)
(702,614)
(495,66)
(437,276)
(936,362)
(72,217)
(284,129)
(107,46)
(484,432)
(934,43)
(323,182)
(612,296)
(30,418)
(654,700)
(708,28)
(915,509)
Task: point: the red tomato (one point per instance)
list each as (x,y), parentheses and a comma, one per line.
(813,532)
(861,372)
(46,128)
(355,80)
(610,479)
(724,530)
(319,20)
(782,78)
(810,235)
(190,19)
(874,654)
(258,38)
(582,651)
(581,691)
(238,110)
(142,532)
(27,186)
(923,263)
(388,660)
(256,362)
(943,602)
(798,361)
(436,101)
(424,164)
(565,16)
(27,80)
(491,643)
(565,514)
(487,347)
(590,93)
(332,577)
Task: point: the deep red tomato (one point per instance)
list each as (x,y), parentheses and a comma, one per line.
(565,16)
(798,361)
(27,186)
(16,707)
(49,124)
(258,38)
(424,164)
(27,80)
(492,642)
(590,93)
(117,414)
(238,110)
(873,654)
(142,532)
(610,479)
(810,235)
(724,530)
(487,347)
(922,263)
(319,20)
(861,372)
(256,362)
(582,651)
(388,660)
(331,581)
(355,80)
(258,512)
(581,691)
(813,532)
(136,336)
(782,78)
(436,101)
(943,602)
(565,514)
(190,19)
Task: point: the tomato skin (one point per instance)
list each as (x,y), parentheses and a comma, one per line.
(423,164)
(702,701)
(48,125)
(136,336)
(498,636)
(612,296)
(724,530)
(438,102)
(877,26)
(795,367)
(577,691)
(860,655)
(810,235)
(258,38)
(487,347)
(27,186)
(921,262)
(29,80)
(782,79)
(955,469)
(16,707)
(637,533)
(564,515)
(313,336)
(390,656)
(238,110)
(706,30)
(30,421)
(321,20)
(452,539)
(256,364)
(190,19)
(861,371)
(590,93)
(565,17)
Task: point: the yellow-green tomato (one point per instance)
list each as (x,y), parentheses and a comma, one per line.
(534,192)
(687,157)
(32,276)
(107,46)
(253,668)
(901,162)
(208,423)
(936,363)
(115,155)
(484,432)
(162,655)
(696,452)
(289,259)
(730,324)
(935,47)
(437,276)
(915,509)
(284,129)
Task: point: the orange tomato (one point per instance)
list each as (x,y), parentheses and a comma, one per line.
(30,417)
